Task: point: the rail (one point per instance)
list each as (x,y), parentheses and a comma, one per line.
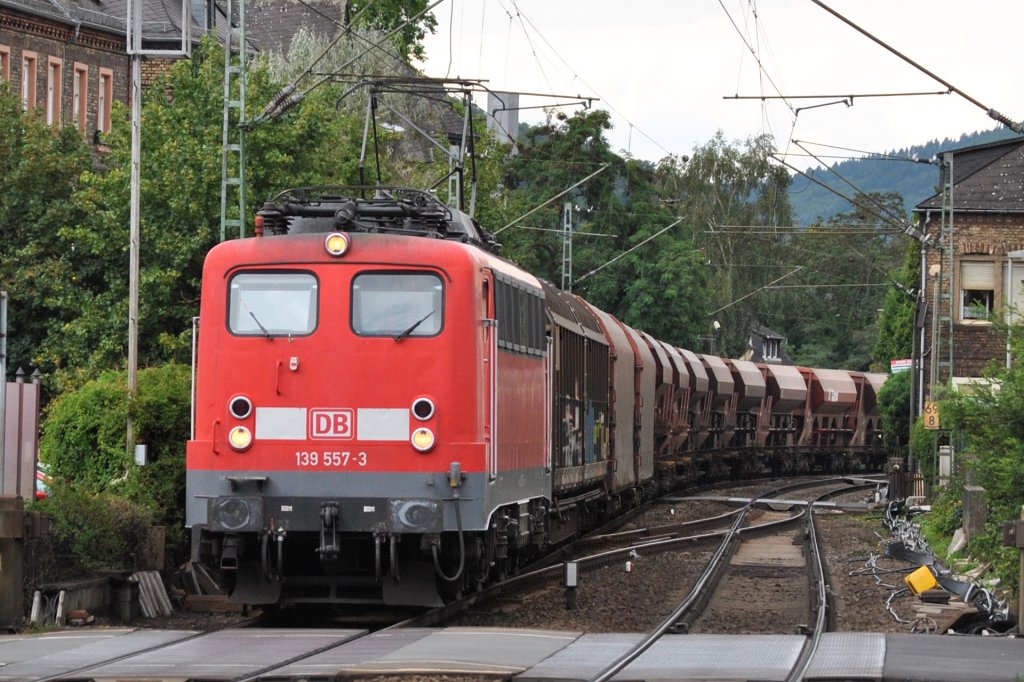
(704,586)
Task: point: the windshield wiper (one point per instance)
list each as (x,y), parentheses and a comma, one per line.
(411,329)
(260,325)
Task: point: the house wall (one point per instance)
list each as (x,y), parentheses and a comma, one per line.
(50,39)
(978,238)
(96,51)
(153,68)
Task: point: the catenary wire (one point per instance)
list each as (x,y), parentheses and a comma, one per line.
(526,19)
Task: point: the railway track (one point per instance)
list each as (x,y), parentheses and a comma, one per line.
(685,548)
(610,546)
(780,561)
(552,650)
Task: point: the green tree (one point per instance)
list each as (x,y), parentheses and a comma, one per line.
(92,532)
(620,262)
(40,166)
(896,325)
(658,285)
(894,408)
(987,423)
(388,15)
(180,200)
(554,156)
(733,195)
(830,316)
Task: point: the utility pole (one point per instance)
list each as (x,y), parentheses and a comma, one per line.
(567,246)
(133,40)
(943,308)
(232,168)
(3,383)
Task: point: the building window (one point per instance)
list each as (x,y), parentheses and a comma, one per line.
(771,349)
(105,97)
(5,64)
(80,95)
(28,80)
(54,89)
(977,291)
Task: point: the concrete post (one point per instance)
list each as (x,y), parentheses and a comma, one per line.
(3,383)
(1013,536)
(897,479)
(12,562)
(975,511)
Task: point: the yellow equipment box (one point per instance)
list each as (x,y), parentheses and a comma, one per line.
(921,580)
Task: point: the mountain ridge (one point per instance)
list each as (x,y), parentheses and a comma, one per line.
(911,172)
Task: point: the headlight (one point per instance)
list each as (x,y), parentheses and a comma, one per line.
(423,408)
(423,439)
(336,243)
(240,438)
(240,407)
(234,514)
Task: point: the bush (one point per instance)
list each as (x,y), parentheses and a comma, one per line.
(94,531)
(894,408)
(83,442)
(924,443)
(1005,560)
(946,516)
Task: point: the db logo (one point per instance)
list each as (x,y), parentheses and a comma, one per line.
(331,423)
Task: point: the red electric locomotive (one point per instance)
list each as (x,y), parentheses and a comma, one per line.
(385,411)
(368,411)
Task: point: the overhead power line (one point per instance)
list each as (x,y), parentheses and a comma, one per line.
(602,267)
(903,226)
(563,192)
(574,234)
(992,113)
(828,286)
(761,288)
(523,20)
(287,98)
(874,156)
(850,96)
(753,52)
(878,204)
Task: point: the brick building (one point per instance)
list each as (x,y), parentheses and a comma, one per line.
(67,59)
(977,277)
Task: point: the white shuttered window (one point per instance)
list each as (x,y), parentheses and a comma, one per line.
(977,290)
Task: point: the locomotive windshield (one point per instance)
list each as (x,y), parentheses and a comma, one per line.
(273,304)
(397,304)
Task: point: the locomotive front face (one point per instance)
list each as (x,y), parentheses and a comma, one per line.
(338,402)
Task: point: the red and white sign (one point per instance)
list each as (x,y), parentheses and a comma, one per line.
(900,365)
(334,423)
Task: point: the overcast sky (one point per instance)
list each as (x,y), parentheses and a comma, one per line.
(662,67)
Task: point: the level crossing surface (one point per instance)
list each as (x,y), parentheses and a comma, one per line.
(504,653)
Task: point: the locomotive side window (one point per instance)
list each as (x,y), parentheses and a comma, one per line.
(520,317)
(273,303)
(398,304)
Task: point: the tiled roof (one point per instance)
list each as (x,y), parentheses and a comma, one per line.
(755,346)
(270,26)
(986,178)
(161,19)
(766,333)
